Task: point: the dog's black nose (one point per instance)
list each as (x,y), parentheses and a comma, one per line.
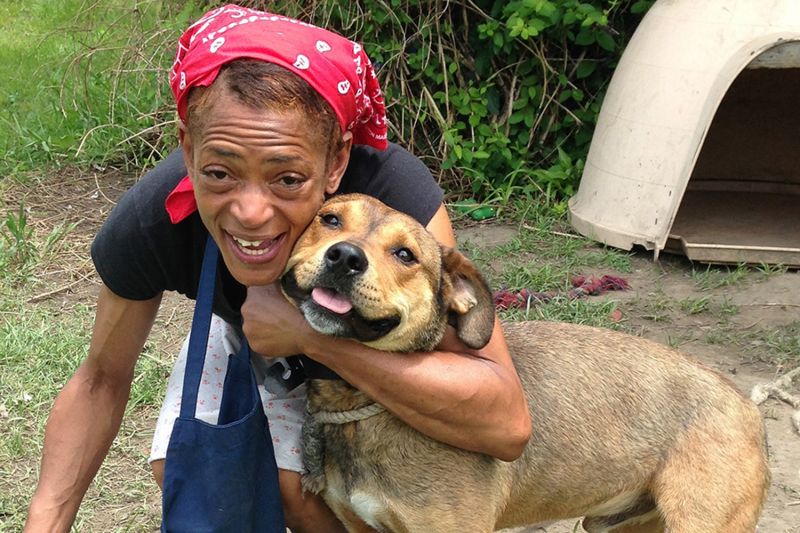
(346,259)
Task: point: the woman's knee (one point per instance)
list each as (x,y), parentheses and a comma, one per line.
(303,511)
(158,471)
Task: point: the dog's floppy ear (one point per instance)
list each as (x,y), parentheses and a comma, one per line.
(467,298)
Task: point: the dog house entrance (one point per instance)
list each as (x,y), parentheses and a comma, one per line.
(742,202)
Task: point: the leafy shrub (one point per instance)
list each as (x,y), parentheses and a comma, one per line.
(84,81)
(498,96)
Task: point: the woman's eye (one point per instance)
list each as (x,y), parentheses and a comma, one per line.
(291,181)
(405,255)
(216,174)
(330,220)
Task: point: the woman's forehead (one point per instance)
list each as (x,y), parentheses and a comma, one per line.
(226,119)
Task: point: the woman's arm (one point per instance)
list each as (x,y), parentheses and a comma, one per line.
(471,399)
(87,413)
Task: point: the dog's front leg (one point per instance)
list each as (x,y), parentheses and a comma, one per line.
(313,456)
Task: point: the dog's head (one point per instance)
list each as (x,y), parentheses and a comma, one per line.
(365,271)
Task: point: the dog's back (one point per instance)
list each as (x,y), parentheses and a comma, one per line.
(620,422)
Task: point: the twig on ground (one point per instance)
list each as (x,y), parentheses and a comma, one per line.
(772,304)
(100,190)
(777,389)
(48,294)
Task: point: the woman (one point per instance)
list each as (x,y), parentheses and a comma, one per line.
(275,115)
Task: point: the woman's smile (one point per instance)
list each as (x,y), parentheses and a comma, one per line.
(256,251)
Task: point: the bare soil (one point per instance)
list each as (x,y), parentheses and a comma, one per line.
(654,307)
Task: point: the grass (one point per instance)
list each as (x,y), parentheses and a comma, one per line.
(41,345)
(40,348)
(577,311)
(657,307)
(544,234)
(544,257)
(778,346)
(39,352)
(695,306)
(713,277)
(20,252)
(62,97)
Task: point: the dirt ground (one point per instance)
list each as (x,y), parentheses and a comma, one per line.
(652,307)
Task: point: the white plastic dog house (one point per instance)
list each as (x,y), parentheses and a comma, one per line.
(697,146)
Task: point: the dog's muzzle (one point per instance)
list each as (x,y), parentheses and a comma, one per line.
(327,303)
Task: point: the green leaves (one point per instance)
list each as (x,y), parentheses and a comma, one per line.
(487,92)
(526,104)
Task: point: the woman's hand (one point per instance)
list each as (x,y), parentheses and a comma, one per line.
(272,325)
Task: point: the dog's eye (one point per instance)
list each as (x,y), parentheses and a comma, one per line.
(405,255)
(330,220)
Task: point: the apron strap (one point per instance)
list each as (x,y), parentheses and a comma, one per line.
(201,324)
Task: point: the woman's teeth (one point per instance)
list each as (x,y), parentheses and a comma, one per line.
(252,247)
(243,242)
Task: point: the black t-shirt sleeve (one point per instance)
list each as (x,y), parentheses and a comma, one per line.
(138,252)
(395,177)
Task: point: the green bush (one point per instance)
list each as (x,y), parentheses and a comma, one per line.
(499,97)
(84,81)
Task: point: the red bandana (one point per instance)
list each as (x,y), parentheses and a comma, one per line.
(337,68)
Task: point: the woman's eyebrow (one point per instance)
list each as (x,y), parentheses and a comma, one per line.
(271,159)
(278,159)
(224,153)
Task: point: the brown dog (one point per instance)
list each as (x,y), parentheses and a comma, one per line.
(627,433)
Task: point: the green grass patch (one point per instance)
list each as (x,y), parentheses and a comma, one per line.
(577,311)
(694,306)
(546,248)
(41,346)
(20,251)
(544,257)
(714,277)
(779,346)
(84,81)
(40,349)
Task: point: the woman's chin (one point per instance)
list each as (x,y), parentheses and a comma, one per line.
(255,277)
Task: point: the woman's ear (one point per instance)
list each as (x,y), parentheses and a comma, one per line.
(186,146)
(338,164)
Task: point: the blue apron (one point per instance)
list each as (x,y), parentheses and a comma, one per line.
(220,478)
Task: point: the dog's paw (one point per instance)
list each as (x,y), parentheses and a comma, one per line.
(313,483)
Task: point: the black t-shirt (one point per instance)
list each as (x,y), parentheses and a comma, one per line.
(139,253)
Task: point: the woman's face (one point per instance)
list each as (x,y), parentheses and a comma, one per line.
(259,178)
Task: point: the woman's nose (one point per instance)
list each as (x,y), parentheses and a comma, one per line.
(253,206)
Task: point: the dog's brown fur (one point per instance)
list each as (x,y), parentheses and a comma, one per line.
(628,433)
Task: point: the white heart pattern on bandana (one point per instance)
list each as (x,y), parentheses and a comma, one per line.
(343,87)
(217,44)
(302,62)
(323,47)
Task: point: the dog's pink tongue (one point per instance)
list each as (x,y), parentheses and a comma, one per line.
(331,300)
